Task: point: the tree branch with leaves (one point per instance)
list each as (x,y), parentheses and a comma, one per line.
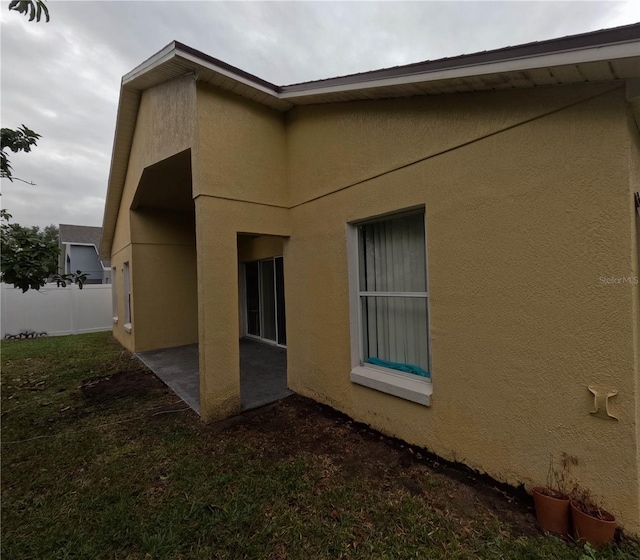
(35,9)
(23,138)
(19,140)
(29,255)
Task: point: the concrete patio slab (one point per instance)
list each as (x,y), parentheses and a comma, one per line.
(263,372)
(178,367)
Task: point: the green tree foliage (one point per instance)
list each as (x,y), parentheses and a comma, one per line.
(19,140)
(33,9)
(29,255)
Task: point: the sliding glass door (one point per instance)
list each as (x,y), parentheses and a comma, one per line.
(264,300)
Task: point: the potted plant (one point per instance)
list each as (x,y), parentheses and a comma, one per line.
(591,523)
(552,501)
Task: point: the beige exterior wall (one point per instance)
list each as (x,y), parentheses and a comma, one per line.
(155,139)
(239,185)
(242,146)
(218,222)
(634,184)
(332,146)
(527,206)
(117,261)
(527,200)
(166,290)
(522,221)
(258,248)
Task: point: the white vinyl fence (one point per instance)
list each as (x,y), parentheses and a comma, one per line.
(56,311)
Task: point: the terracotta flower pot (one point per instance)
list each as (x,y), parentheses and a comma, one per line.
(592,529)
(552,513)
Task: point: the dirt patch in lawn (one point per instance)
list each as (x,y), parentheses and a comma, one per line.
(299,427)
(102,391)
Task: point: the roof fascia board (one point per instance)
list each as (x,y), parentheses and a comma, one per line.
(595,54)
(228,73)
(605,45)
(221,64)
(584,55)
(423,73)
(156,60)
(108,227)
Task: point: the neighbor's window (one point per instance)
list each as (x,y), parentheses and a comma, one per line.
(114,295)
(127,296)
(392,294)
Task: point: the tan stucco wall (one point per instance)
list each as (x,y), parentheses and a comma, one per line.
(218,223)
(527,196)
(243,149)
(166,291)
(331,146)
(155,139)
(521,226)
(240,156)
(257,248)
(634,184)
(127,339)
(527,206)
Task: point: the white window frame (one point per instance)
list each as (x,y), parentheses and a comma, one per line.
(114,294)
(404,385)
(126,274)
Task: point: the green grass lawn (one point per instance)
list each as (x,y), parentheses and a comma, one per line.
(100,460)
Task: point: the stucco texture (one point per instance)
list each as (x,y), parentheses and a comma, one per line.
(521,226)
(165,126)
(166,291)
(528,203)
(242,146)
(127,339)
(218,223)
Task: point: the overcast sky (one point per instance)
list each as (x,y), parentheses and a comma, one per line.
(62,78)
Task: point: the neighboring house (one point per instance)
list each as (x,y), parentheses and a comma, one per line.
(79,251)
(471,217)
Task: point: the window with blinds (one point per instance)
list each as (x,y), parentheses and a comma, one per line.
(392,293)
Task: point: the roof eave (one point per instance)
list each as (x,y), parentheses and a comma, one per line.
(505,66)
(177,59)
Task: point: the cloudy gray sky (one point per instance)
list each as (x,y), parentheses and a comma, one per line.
(62,78)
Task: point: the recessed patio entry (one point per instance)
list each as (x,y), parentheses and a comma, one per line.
(264,301)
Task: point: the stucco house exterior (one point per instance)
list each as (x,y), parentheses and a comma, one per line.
(448,249)
(79,246)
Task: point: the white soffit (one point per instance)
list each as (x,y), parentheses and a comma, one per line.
(599,56)
(498,69)
(560,61)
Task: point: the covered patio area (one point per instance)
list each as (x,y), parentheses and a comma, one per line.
(263,372)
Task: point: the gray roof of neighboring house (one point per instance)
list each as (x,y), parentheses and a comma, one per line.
(70,233)
(80,234)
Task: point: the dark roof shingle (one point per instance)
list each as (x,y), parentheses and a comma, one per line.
(80,234)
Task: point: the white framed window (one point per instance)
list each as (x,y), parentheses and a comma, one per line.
(126,273)
(390,305)
(114,295)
